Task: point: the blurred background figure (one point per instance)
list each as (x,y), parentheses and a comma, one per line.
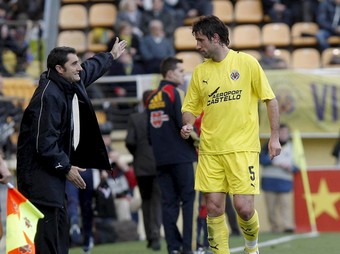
(269,60)
(277,183)
(128,12)
(10,117)
(125,32)
(13,40)
(124,66)
(144,165)
(279,10)
(328,19)
(158,12)
(336,152)
(155,46)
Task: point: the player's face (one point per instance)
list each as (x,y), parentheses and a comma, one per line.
(204,45)
(177,75)
(71,69)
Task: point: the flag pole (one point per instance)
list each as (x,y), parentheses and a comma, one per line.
(300,161)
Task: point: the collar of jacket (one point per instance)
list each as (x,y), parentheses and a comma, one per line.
(165,82)
(62,83)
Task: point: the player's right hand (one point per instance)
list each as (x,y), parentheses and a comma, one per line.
(186,130)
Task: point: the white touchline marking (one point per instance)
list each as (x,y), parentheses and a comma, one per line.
(278,241)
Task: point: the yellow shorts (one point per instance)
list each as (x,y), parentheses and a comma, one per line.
(237,173)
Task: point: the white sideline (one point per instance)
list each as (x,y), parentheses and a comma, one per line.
(278,241)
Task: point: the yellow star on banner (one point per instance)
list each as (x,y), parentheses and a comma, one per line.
(324,201)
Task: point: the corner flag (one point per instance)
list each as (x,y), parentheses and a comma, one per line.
(21,223)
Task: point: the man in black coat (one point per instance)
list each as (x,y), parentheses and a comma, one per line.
(144,164)
(51,147)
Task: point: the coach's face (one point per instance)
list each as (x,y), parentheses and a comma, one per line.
(71,69)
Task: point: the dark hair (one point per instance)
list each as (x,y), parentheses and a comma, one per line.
(58,56)
(209,25)
(168,64)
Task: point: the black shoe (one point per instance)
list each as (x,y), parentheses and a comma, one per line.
(148,245)
(155,245)
(289,230)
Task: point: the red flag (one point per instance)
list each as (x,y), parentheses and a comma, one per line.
(325,196)
(21,223)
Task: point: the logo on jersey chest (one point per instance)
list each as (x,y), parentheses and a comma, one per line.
(235,75)
(157,118)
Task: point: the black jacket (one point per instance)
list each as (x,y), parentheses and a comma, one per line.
(45,152)
(164,126)
(137,142)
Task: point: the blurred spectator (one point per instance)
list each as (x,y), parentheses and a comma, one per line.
(196,8)
(158,12)
(125,32)
(123,183)
(277,183)
(10,117)
(144,164)
(124,66)
(8,41)
(304,10)
(128,12)
(177,9)
(5,177)
(23,9)
(336,151)
(279,10)
(269,60)
(328,19)
(155,47)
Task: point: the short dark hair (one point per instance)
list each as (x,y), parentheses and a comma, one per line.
(209,25)
(58,56)
(168,64)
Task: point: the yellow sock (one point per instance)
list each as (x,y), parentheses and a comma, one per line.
(218,234)
(250,231)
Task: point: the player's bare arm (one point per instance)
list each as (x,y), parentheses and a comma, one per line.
(274,121)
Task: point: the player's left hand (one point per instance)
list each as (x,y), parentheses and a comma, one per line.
(274,148)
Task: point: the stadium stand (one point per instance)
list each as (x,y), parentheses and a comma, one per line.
(190,60)
(303,34)
(73,38)
(102,15)
(248,11)
(247,36)
(183,39)
(277,34)
(306,58)
(224,10)
(73,16)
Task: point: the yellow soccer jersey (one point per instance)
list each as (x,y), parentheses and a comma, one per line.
(228,93)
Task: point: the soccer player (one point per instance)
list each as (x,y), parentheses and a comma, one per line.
(227,88)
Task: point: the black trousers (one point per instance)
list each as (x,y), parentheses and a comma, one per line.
(151,206)
(177,191)
(52,235)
